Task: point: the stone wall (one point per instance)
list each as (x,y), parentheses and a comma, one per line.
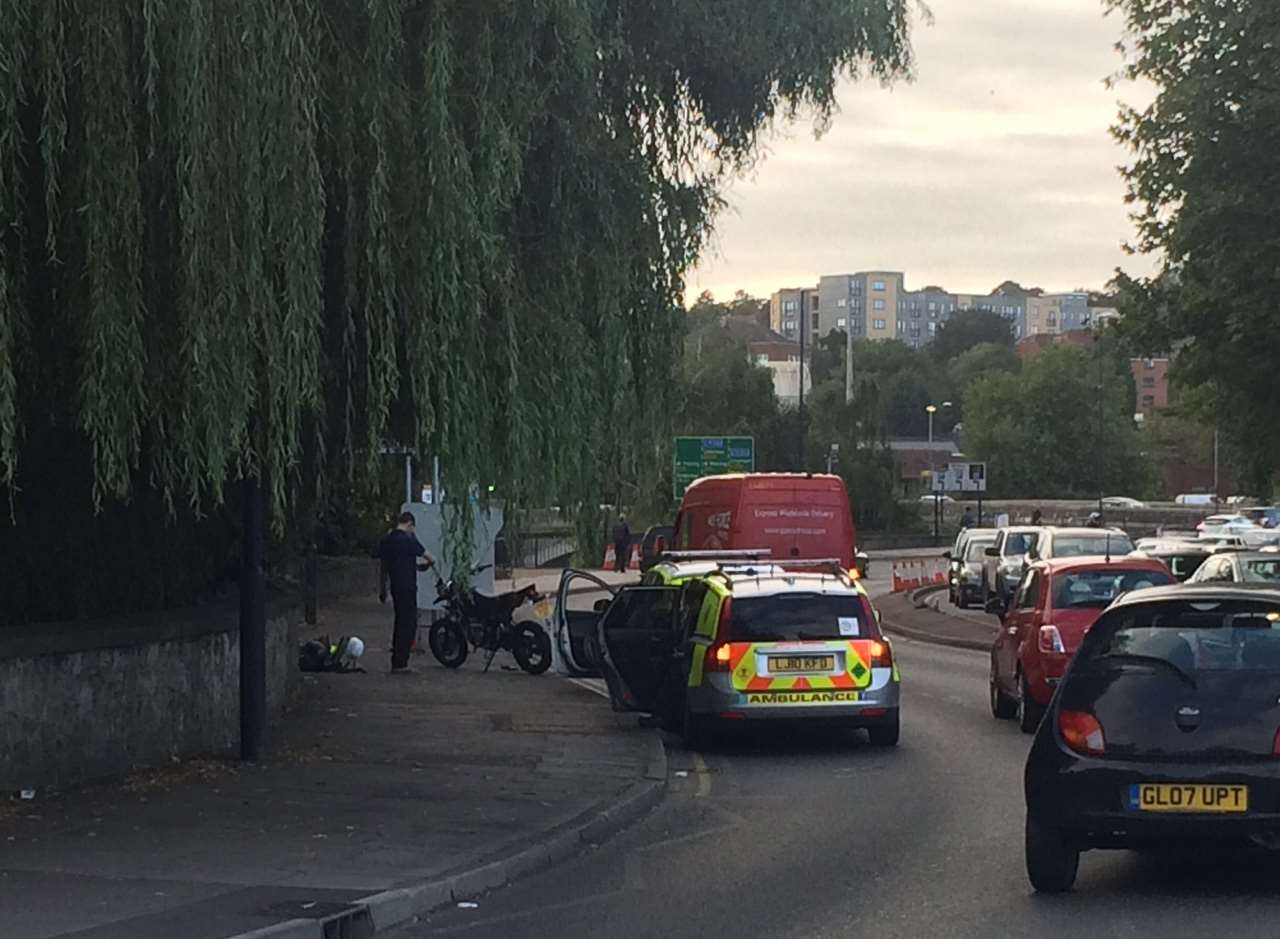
(87,700)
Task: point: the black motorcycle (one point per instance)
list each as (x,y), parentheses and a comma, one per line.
(474,620)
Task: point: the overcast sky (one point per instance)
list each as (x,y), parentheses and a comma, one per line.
(994,163)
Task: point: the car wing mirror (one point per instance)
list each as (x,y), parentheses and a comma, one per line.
(601,605)
(992,552)
(947,555)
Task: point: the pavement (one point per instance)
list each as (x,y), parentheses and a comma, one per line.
(819,835)
(385,796)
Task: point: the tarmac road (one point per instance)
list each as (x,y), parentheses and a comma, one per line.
(821,835)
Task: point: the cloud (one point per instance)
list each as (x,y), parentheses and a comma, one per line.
(995,163)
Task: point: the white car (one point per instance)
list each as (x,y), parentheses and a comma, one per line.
(1122,502)
(1252,536)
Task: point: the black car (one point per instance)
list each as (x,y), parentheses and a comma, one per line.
(1165,728)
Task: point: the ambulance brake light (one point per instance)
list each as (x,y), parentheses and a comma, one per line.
(718,657)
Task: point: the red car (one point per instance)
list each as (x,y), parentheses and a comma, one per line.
(1054,606)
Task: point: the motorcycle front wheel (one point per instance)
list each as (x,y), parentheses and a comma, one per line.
(448,643)
(532,648)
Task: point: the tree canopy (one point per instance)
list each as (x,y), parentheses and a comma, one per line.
(1062,427)
(968,328)
(1204,179)
(252,237)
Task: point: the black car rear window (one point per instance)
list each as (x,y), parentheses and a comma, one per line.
(1188,637)
(1099,587)
(787,617)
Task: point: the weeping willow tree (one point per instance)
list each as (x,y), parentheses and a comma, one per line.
(265,237)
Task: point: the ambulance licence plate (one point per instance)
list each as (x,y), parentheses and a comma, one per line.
(783,664)
(1188,797)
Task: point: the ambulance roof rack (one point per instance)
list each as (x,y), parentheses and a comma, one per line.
(832,566)
(740,554)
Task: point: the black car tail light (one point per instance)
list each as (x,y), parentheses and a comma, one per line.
(1081,732)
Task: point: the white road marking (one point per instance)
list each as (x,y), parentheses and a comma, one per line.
(596,685)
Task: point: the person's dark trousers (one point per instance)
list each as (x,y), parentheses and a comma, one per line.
(621,555)
(406,628)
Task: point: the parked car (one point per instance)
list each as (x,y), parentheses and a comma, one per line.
(1059,542)
(1240,567)
(1122,502)
(1196,498)
(1004,562)
(927,498)
(964,574)
(1163,731)
(1183,558)
(1053,608)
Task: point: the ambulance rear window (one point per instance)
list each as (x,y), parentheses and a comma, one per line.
(791,617)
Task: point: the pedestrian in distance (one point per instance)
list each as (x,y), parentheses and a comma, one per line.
(1035,517)
(967,520)
(621,544)
(402,556)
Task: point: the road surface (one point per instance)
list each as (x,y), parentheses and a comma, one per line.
(825,836)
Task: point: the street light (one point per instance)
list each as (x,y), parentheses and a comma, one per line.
(931,410)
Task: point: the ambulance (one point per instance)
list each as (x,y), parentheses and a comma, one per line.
(738,642)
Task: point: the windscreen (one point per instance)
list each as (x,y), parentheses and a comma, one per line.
(1019,543)
(1188,638)
(1263,570)
(977,548)
(1098,588)
(1075,546)
(787,617)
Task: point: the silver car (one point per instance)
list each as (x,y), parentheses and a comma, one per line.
(1005,562)
(964,577)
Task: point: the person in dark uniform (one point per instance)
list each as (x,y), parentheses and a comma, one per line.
(621,544)
(402,556)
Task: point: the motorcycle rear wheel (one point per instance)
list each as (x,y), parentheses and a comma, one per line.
(448,643)
(532,648)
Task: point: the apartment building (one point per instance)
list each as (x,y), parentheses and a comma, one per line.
(787,309)
(878,305)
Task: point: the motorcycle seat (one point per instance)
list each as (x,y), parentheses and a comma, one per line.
(501,605)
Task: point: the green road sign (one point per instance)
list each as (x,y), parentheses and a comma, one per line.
(709,456)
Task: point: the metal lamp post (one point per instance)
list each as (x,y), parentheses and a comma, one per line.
(931,410)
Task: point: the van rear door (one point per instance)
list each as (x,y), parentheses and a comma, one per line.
(799,517)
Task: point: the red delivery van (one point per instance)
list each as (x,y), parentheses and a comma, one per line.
(794,515)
